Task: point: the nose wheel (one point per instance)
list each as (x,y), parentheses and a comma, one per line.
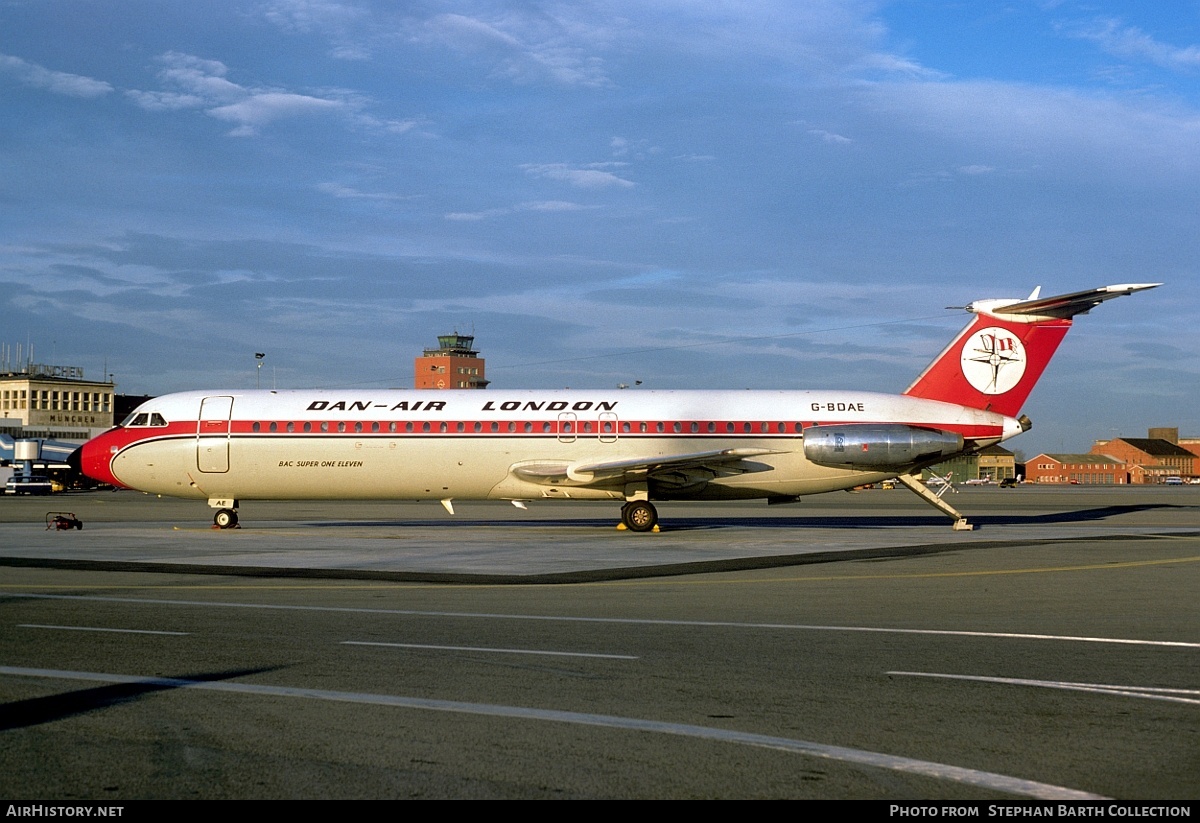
(639,516)
(225,519)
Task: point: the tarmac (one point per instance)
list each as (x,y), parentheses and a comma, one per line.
(564,542)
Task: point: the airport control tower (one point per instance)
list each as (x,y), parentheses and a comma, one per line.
(452,365)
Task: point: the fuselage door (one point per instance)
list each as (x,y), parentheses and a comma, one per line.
(212,434)
(567,424)
(608,427)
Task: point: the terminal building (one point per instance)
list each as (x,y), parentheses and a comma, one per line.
(454,364)
(54,402)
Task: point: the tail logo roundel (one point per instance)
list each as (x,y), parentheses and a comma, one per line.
(993,360)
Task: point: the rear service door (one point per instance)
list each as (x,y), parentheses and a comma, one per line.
(212,434)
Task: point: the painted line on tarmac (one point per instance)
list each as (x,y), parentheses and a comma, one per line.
(488,650)
(1145,692)
(97,629)
(939,771)
(628,621)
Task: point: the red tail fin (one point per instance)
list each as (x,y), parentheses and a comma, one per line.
(997,359)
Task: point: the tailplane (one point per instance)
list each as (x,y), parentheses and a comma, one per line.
(997,359)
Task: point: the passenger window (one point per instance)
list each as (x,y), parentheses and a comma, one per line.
(274,427)
(255,426)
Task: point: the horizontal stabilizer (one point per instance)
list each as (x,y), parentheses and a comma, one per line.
(1068,305)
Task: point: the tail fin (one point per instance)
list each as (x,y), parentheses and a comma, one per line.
(995,361)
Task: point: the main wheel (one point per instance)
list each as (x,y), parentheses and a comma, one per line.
(639,516)
(225,519)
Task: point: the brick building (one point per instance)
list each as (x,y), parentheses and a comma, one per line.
(1149,459)
(452,365)
(1080,469)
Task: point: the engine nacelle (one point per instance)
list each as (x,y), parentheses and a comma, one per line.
(885,446)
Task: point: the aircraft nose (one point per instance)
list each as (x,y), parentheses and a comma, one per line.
(93,459)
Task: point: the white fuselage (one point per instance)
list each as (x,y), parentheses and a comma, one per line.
(444,445)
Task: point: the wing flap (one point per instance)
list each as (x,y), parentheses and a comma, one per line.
(583,472)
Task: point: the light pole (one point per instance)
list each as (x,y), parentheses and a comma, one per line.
(258,371)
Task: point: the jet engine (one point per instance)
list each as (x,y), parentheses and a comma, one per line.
(883,447)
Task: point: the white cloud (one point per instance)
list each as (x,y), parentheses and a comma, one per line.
(349,193)
(1058,129)
(164,100)
(260,109)
(552,205)
(584,178)
(58,82)
(546,46)
(1132,43)
(532,205)
(829,137)
(203,85)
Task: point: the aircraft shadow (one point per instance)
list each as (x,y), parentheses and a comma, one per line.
(38,710)
(692,522)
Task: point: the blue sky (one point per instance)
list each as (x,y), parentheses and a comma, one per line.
(691,194)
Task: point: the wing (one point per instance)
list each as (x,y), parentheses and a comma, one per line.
(608,472)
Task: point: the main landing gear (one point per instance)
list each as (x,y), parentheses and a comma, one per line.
(639,516)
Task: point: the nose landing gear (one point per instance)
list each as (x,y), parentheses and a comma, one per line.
(226,516)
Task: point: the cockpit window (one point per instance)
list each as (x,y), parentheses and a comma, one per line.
(144,419)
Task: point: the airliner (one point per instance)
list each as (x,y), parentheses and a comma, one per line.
(636,447)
